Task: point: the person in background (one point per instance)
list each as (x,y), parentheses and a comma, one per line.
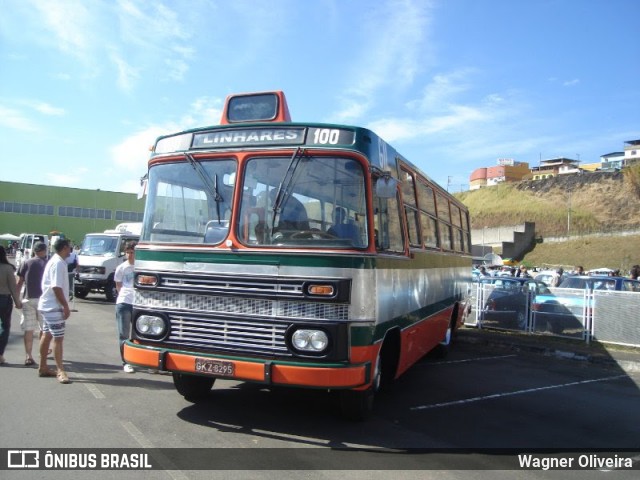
(9,295)
(124,303)
(557,277)
(54,308)
(30,275)
(524,272)
(579,270)
(635,272)
(72,267)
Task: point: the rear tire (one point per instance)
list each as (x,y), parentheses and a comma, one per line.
(444,347)
(193,388)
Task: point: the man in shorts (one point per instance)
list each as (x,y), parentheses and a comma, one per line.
(30,275)
(54,307)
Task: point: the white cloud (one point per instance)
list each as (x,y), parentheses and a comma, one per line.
(395,46)
(571,83)
(16,120)
(131,155)
(127,75)
(49,110)
(70,23)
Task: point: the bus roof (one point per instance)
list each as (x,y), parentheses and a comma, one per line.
(262,121)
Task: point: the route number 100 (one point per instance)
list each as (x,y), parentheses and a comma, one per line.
(326,136)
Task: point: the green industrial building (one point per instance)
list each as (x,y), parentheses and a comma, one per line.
(27,208)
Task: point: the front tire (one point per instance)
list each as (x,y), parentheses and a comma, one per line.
(192,387)
(81,292)
(110,291)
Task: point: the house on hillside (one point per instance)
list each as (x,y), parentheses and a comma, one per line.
(506,170)
(612,161)
(555,166)
(631,152)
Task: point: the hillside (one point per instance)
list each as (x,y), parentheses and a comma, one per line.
(591,203)
(594,202)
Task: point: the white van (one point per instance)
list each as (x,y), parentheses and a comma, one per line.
(99,256)
(26,244)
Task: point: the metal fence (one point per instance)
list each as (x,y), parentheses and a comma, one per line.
(586,315)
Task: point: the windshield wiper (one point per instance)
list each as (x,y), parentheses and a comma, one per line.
(283,188)
(212,187)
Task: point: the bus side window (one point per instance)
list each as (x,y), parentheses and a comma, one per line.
(389,235)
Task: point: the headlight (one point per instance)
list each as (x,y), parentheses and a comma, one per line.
(150,325)
(310,340)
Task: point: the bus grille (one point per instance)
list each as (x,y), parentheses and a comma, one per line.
(251,325)
(234,335)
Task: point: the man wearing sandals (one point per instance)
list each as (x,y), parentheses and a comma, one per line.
(30,275)
(54,307)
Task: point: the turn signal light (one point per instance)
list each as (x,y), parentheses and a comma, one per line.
(324,290)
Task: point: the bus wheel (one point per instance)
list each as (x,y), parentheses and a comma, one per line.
(443,348)
(356,405)
(192,387)
(111,292)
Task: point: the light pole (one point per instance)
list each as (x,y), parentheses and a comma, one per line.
(569,215)
(483,229)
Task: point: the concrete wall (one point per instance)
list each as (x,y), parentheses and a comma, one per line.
(508,241)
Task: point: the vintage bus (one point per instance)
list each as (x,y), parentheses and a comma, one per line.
(293,254)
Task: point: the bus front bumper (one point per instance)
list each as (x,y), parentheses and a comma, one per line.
(260,371)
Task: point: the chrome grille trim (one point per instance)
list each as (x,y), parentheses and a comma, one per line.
(250,307)
(235,285)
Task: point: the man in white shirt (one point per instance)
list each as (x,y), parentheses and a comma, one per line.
(124,303)
(54,307)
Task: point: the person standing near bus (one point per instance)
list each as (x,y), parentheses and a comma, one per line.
(8,291)
(124,303)
(54,307)
(30,275)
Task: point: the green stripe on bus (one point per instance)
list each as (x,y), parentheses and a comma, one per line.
(363,336)
(421,260)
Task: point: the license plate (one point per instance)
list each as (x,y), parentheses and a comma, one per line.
(215,367)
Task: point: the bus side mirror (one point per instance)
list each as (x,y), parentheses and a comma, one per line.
(386,187)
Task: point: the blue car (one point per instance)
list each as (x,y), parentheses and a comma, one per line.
(565,311)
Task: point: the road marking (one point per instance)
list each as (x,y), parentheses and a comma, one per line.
(167,465)
(95,391)
(443,362)
(519,392)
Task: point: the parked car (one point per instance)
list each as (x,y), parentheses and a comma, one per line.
(546,276)
(564,311)
(507,304)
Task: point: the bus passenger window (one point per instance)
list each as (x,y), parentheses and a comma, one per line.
(388,226)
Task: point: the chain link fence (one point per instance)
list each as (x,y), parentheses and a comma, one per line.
(585,315)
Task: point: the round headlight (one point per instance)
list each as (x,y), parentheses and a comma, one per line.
(319,340)
(310,340)
(150,325)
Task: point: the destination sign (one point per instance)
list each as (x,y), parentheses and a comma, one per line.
(267,136)
(245,137)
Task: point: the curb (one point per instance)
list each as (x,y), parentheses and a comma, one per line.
(627,361)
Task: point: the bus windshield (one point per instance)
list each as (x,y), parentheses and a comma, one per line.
(190,201)
(303,201)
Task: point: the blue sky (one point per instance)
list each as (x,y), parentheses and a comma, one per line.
(86,86)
